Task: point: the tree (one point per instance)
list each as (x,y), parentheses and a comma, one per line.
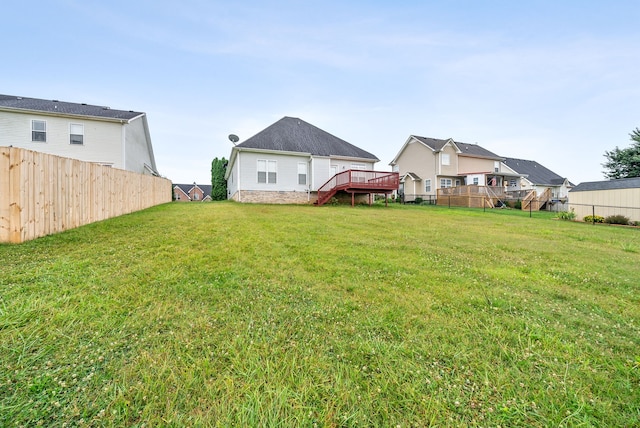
(218,183)
(624,163)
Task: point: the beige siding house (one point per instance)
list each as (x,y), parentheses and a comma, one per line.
(97,134)
(537,177)
(606,198)
(428,164)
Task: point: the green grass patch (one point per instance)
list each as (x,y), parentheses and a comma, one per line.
(225,314)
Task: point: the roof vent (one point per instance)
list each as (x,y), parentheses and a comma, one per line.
(18,98)
(106,108)
(84,104)
(56,101)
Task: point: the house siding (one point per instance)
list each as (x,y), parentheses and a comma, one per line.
(102,140)
(287,172)
(418,159)
(605,203)
(136,146)
(470,165)
(320,171)
(452,168)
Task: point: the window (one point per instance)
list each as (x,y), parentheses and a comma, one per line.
(475,180)
(446,159)
(427,185)
(76,133)
(39,130)
(267,172)
(496,166)
(358,166)
(445,182)
(512,182)
(302,173)
(457,183)
(196,196)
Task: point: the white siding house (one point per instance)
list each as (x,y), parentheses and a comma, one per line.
(288,161)
(90,133)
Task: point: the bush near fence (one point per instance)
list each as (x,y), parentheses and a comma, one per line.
(41,194)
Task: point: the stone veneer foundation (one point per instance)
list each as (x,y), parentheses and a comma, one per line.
(281,197)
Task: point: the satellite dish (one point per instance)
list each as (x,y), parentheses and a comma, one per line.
(233,138)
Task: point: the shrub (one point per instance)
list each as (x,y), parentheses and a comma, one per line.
(418,200)
(617,219)
(518,204)
(634,223)
(567,215)
(334,201)
(594,219)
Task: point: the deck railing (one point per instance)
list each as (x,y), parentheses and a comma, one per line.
(358,180)
(472,190)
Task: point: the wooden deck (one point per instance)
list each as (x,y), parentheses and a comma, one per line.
(355,181)
(473,196)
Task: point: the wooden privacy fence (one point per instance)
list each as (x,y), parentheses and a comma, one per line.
(41,194)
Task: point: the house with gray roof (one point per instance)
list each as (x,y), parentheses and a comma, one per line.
(605,198)
(91,133)
(192,192)
(535,176)
(428,164)
(288,161)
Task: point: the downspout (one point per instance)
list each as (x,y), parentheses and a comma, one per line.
(239,186)
(310,185)
(124,145)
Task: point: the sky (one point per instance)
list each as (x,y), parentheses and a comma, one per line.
(554,81)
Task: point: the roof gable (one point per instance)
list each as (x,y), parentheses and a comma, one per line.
(437,145)
(291,134)
(55,107)
(536,173)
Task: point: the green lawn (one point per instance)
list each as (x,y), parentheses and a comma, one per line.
(224,314)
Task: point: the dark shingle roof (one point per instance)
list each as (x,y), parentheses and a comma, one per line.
(291,134)
(620,183)
(63,107)
(536,173)
(206,188)
(465,149)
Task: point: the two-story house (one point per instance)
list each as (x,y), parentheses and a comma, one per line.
(428,164)
(98,134)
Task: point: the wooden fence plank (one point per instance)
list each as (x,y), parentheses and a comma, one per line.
(42,194)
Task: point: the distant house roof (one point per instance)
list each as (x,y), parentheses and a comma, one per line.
(620,183)
(536,173)
(465,149)
(206,188)
(14,103)
(291,134)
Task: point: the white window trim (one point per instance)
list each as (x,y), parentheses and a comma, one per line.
(302,170)
(446,159)
(71,133)
(33,121)
(427,185)
(271,167)
(446,183)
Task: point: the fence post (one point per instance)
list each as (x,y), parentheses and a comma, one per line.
(593,215)
(449,201)
(530,202)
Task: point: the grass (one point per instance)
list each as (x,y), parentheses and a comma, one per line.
(224,314)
